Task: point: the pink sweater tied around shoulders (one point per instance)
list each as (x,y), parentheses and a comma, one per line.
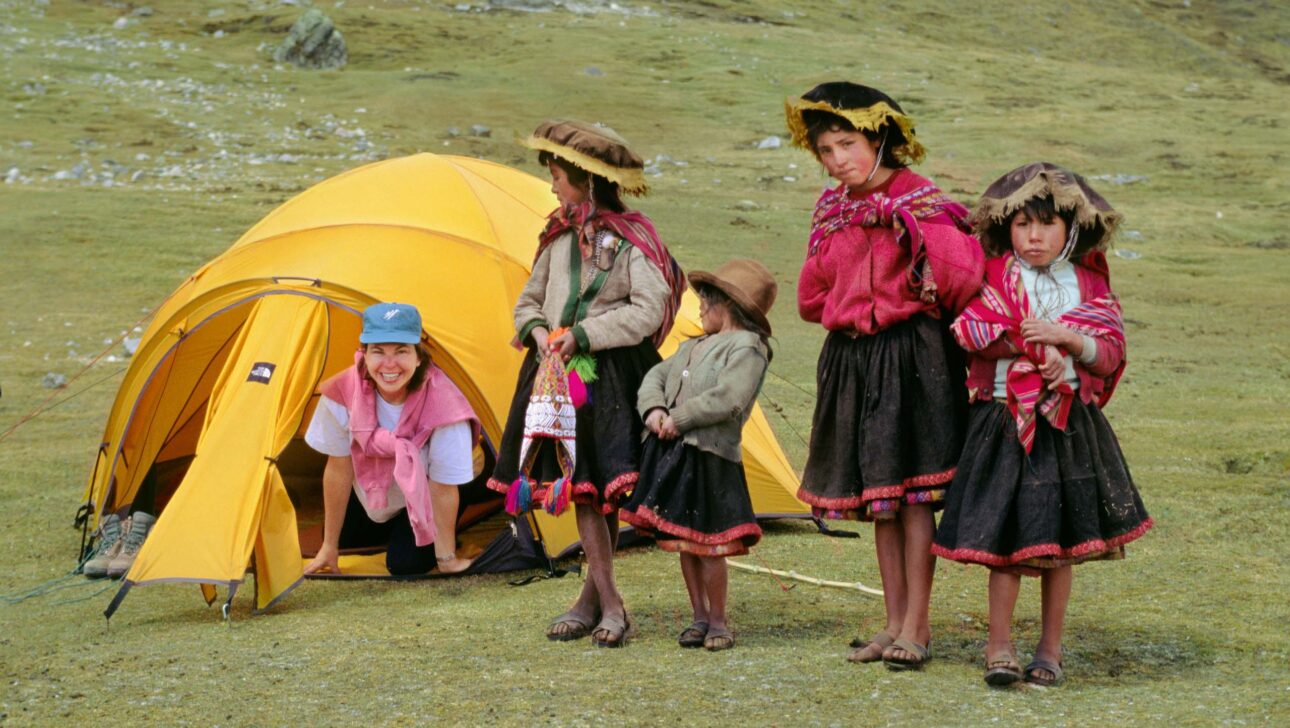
(381,456)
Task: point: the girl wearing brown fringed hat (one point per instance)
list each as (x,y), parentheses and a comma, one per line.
(890,260)
(602,296)
(692,493)
(1042,484)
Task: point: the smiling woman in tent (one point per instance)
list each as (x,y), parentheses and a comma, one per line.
(601,298)
(399,437)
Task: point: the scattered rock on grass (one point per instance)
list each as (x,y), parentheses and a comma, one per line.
(313,42)
(1120,179)
(1127,254)
(53,380)
(480,130)
(770,142)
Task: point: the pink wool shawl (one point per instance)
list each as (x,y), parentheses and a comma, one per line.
(381,456)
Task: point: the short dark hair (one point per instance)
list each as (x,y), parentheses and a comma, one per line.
(714,296)
(817,122)
(997,237)
(418,375)
(604,192)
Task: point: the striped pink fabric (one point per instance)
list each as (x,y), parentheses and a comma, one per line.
(636,229)
(998,311)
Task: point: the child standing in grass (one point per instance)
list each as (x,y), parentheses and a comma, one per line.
(1042,484)
(888,254)
(692,493)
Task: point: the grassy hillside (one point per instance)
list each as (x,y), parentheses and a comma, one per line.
(135,144)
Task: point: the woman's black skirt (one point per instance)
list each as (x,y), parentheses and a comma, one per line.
(608,432)
(890,413)
(1071,500)
(692,501)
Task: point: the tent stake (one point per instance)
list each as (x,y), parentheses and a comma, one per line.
(807,579)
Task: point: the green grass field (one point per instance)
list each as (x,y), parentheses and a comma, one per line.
(133,154)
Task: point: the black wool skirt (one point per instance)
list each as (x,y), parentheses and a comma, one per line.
(692,501)
(890,413)
(1070,500)
(608,432)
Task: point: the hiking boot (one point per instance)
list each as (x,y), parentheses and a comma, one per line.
(107,548)
(140,524)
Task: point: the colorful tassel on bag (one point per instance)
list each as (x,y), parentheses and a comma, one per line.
(557,496)
(519,497)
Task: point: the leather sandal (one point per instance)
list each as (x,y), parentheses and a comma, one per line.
(921,655)
(693,635)
(611,626)
(568,627)
(869,650)
(1034,678)
(717,641)
(1002,669)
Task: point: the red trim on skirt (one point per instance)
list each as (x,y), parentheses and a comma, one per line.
(880,492)
(646,519)
(585,493)
(1043,550)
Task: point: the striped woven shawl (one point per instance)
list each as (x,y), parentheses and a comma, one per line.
(636,229)
(998,312)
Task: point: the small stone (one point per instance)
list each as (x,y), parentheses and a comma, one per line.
(454,131)
(53,380)
(1218,215)
(120,23)
(12,175)
(789,178)
(746,205)
(593,71)
(142,12)
(1127,254)
(652,170)
(480,130)
(131,345)
(770,142)
(1121,179)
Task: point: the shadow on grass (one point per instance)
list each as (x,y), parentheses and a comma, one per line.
(1106,651)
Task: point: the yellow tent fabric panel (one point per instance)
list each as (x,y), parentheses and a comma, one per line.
(255,408)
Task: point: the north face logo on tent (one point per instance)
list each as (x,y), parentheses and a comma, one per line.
(262,372)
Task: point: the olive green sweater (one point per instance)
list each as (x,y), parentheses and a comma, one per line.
(709,386)
(622,308)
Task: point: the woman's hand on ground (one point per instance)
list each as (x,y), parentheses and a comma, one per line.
(564,345)
(326,560)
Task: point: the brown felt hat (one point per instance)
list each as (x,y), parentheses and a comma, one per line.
(592,148)
(747,282)
(1096,219)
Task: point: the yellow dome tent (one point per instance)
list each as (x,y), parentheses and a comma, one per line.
(453,236)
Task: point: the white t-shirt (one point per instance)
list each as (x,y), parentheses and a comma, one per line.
(448,454)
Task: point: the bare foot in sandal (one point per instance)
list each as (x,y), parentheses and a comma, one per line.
(570,626)
(693,635)
(870,650)
(613,631)
(719,638)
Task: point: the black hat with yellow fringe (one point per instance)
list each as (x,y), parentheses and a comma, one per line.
(867,109)
(592,148)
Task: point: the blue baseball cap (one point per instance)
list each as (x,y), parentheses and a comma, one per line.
(391,323)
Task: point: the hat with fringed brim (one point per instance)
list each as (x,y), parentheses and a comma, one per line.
(592,148)
(867,109)
(1094,216)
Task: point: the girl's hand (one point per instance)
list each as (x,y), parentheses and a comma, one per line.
(667,429)
(1054,367)
(539,334)
(564,345)
(654,420)
(1035,331)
